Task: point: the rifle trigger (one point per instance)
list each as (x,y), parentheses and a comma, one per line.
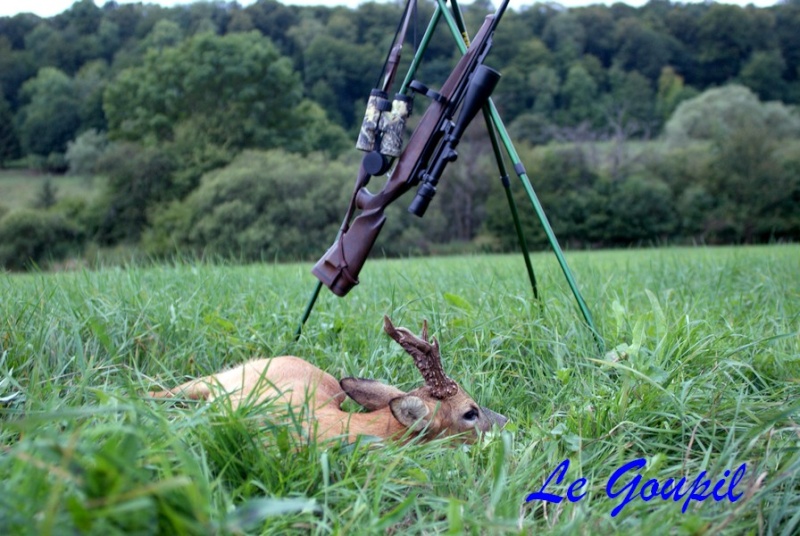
(419,87)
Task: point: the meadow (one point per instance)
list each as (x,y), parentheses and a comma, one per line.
(700,372)
(20,188)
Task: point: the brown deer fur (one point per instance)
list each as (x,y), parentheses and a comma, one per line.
(438,408)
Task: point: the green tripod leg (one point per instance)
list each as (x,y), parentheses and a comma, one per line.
(512,204)
(519,168)
(307,312)
(455,22)
(498,156)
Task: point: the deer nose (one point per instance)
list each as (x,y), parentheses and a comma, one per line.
(494,417)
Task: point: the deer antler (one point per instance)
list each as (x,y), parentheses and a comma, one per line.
(426,358)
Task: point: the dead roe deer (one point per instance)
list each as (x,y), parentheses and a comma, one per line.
(439,408)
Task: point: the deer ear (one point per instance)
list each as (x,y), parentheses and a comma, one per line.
(411,411)
(370,394)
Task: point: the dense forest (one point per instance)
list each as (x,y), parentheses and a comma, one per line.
(229,130)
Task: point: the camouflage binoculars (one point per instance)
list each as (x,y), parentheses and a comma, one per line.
(381,134)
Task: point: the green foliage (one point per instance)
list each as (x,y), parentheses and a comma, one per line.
(164,34)
(30,236)
(566,36)
(337,71)
(671,92)
(18,188)
(9,143)
(599,24)
(641,211)
(85,151)
(534,129)
(234,91)
(631,100)
(701,375)
(336,52)
(748,175)
(78,210)
(544,83)
(737,188)
(138,178)
(786,20)
(197,84)
(641,48)
(55,163)
(16,64)
(90,83)
(763,74)
(697,208)
(49,118)
(726,36)
(719,112)
(529,79)
(196,157)
(312,131)
(47,196)
(262,205)
(580,94)
(579,202)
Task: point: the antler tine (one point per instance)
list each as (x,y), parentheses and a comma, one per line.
(426,356)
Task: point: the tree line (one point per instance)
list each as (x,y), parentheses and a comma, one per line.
(175,106)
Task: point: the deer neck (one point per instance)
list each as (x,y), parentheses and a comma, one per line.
(380,423)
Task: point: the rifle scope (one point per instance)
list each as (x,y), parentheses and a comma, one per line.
(480,88)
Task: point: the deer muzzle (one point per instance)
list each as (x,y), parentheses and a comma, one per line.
(494,417)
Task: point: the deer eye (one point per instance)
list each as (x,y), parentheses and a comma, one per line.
(471,415)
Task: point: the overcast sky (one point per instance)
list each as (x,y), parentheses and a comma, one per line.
(48,8)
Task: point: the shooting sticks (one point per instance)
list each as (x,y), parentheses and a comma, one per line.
(432,145)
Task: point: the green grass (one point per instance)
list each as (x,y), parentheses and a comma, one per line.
(19,188)
(702,373)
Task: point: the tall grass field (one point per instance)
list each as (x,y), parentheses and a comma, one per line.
(697,385)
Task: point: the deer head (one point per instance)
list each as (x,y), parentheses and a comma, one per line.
(439,407)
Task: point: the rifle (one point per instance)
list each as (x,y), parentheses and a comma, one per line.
(430,148)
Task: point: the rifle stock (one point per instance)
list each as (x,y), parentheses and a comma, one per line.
(339,268)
